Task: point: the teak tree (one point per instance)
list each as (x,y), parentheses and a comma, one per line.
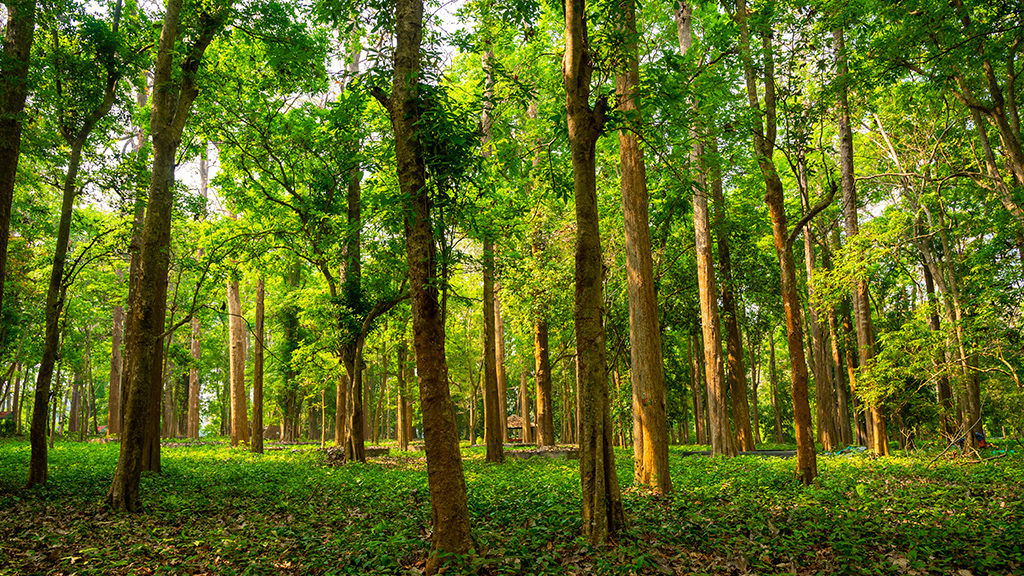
(602,501)
(445,478)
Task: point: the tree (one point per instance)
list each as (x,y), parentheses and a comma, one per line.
(75,125)
(764,133)
(173,95)
(602,501)
(14,66)
(445,478)
(650,434)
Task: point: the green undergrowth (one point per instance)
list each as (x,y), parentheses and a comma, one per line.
(219,510)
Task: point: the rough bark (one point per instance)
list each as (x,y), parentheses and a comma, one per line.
(116,344)
(173,96)
(542,363)
(403,410)
(524,407)
(602,501)
(650,438)
(445,478)
(773,377)
(14,65)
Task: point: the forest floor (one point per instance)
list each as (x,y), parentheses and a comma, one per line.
(217,510)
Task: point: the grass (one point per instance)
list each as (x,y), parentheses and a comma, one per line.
(223,511)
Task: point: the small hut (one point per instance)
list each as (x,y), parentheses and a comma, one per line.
(515,429)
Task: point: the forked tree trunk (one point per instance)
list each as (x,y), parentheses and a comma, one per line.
(173,96)
(764,132)
(602,501)
(445,478)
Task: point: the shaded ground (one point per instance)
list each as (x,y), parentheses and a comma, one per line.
(222,511)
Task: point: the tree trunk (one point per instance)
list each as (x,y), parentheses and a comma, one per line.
(114,392)
(542,363)
(493,412)
(401,424)
(764,144)
(445,478)
(172,101)
(193,373)
(734,341)
(943,390)
(524,407)
(755,382)
(239,396)
(257,372)
(14,65)
(827,434)
(773,377)
(861,305)
(499,364)
(602,501)
(650,439)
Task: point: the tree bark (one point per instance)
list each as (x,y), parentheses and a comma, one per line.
(499,363)
(14,65)
(445,478)
(116,344)
(602,501)
(773,377)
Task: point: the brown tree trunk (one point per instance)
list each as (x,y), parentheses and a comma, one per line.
(827,434)
(773,377)
(257,372)
(172,101)
(734,342)
(445,478)
(499,363)
(542,362)
(239,397)
(524,407)
(861,305)
(14,65)
(116,344)
(650,439)
(755,382)
(722,443)
(764,146)
(943,390)
(193,373)
(493,408)
(403,410)
(602,501)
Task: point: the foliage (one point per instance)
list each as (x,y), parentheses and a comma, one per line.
(224,511)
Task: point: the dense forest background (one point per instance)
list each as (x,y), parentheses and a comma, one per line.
(877,144)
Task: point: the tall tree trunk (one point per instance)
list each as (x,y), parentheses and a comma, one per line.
(401,424)
(239,396)
(827,434)
(173,96)
(764,146)
(861,304)
(602,501)
(734,341)
(14,65)
(493,409)
(445,478)
(524,407)
(773,377)
(193,372)
(755,382)
(257,371)
(943,390)
(499,362)
(116,343)
(721,437)
(542,373)
(650,439)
